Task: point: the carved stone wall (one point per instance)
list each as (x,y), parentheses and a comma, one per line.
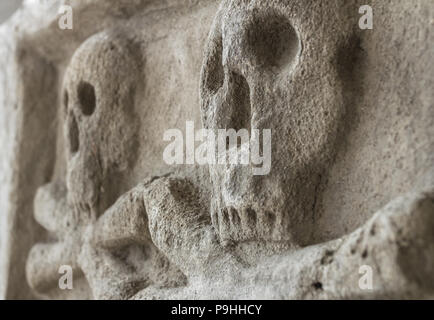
(83,182)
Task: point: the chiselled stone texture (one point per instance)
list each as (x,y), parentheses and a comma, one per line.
(82,177)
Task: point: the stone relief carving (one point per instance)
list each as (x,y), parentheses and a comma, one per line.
(100,132)
(224,232)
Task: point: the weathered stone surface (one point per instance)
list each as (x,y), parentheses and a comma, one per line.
(82,177)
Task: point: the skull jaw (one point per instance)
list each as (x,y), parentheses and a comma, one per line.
(263,209)
(83,184)
(92,189)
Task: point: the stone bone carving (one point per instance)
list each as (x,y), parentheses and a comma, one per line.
(115,253)
(397,243)
(54,214)
(257,71)
(118,256)
(170,212)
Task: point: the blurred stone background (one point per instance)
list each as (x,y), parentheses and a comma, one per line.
(7,8)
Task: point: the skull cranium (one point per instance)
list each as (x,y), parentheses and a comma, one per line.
(260,65)
(99,94)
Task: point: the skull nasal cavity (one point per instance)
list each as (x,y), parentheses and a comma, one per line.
(65,99)
(73,139)
(240,102)
(86,97)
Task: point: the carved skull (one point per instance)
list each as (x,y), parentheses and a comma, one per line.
(100,128)
(265,69)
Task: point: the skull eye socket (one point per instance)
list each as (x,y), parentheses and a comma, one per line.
(86,98)
(273,41)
